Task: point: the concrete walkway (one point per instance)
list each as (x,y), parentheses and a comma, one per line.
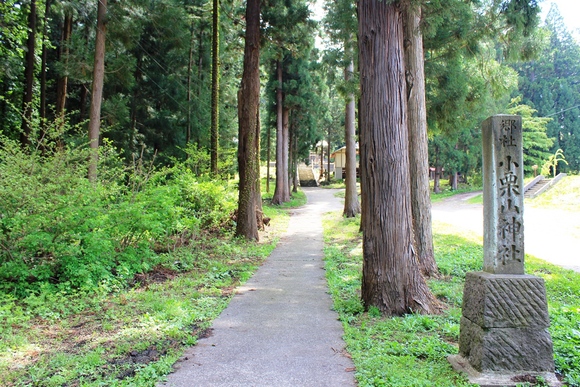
(279,329)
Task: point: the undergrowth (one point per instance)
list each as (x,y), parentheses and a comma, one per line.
(106,283)
(413,350)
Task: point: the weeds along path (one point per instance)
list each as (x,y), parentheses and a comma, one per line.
(549,234)
(279,329)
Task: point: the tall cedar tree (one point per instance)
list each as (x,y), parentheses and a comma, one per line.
(418,143)
(97,90)
(249,203)
(351,203)
(215,89)
(282,188)
(29,76)
(340,23)
(392,280)
(64,51)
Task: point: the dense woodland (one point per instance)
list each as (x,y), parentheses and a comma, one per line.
(157,91)
(164,103)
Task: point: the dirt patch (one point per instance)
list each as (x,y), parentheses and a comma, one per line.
(159,274)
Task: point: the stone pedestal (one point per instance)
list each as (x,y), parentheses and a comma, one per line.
(504,326)
(504,336)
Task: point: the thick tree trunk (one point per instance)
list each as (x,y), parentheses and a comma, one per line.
(97,90)
(418,143)
(62,83)
(281,191)
(29,76)
(391,279)
(351,204)
(249,203)
(215,87)
(453,180)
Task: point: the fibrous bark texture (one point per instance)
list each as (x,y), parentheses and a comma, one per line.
(418,145)
(392,280)
(249,203)
(351,203)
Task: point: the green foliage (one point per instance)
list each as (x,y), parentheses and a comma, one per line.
(550,84)
(59,231)
(536,143)
(132,336)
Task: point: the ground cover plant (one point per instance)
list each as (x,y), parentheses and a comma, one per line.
(105,284)
(413,350)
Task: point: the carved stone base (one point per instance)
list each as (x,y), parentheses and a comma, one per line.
(500,379)
(504,326)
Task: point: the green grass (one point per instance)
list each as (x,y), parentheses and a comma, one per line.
(447,192)
(413,350)
(565,195)
(297,199)
(132,336)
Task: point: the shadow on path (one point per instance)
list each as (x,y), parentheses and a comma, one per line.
(279,329)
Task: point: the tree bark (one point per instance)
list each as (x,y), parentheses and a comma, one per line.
(286,152)
(418,143)
(391,279)
(268,156)
(62,83)
(44,57)
(97,89)
(249,203)
(281,191)
(328,151)
(29,76)
(189,69)
(351,204)
(215,87)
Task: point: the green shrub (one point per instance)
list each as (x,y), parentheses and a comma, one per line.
(60,232)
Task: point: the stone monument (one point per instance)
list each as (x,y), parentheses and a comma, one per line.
(504,337)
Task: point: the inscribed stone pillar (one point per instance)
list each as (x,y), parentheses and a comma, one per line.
(504,321)
(503,195)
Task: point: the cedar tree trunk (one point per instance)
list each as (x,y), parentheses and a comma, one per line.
(281,191)
(62,83)
(351,203)
(249,203)
(97,91)
(391,279)
(29,76)
(215,88)
(418,144)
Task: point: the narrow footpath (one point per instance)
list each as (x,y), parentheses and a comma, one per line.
(279,330)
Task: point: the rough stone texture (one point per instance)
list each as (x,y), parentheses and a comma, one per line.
(505,301)
(503,195)
(504,324)
(499,379)
(506,349)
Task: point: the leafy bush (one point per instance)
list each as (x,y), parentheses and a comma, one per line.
(59,231)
